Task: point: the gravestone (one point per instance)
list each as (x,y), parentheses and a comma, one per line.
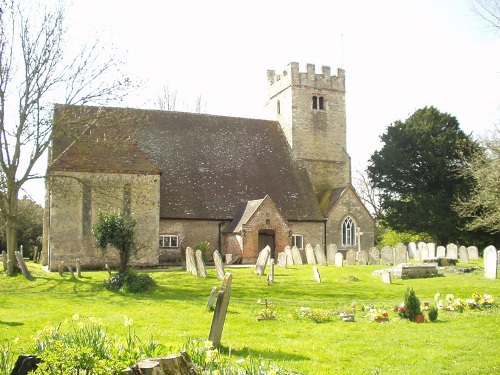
(219,265)
(386,277)
(331,250)
(414,270)
(270,277)
(412,247)
(490,257)
(200,264)
(289,256)
(451,251)
(387,254)
(211,298)
(229,258)
(424,251)
(463,254)
(374,256)
(191,262)
(282,260)
(220,310)
(339,260)
(320,255)
(350,257)
(310,257)
(263,258)
(297,259)
(432,249)
(473,253)
(441,252)
(317,276)
(400,254)
(363,258)
(22,265)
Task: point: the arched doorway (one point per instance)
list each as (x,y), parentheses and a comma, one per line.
(267,237)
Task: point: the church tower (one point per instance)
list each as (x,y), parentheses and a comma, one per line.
(310,108)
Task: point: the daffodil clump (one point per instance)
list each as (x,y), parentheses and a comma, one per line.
(476,302)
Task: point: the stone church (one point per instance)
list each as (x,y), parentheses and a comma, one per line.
(238,183)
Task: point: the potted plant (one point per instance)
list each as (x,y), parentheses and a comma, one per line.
(412,309)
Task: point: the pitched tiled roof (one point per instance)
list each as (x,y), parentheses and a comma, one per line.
(244,212)
(210,164)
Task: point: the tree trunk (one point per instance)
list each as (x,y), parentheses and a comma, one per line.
(11,229)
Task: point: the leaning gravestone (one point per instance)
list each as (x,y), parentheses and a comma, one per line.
(386,277)
(282,260)
(339,260)
(262,260)
(400,254)
(310,257)
(424,251)
(220,311)
(331,250)
(350,257)
(387,254)
(22,265)
(363,258)
(374,256)
(473,253)
(490,257)
(211,298)
(200,264)
(412,247)
(441,252)
(320,255)
(317,276)
(191,262)
(297,259)
(219,265)
(289,256)
(432,249)
(463,254)
(451,251)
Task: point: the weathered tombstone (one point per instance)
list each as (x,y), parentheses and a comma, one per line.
(262,259)
(400,254)
(412,247)
(417,255)
(331,250)
(463,254)
(473,253)
(386,277)
(424,251)
(387,254)
(441,252)
(310,257)
(229,258)
(451,251)
(490,257)
(289,256)
(282,260)
(191,262)
(22,265)
(78,268)
(350,257)
(339,260)
(432,249)
(320,255)
(317,276)
(363,258)
(220,310)
(4,260)
(200,264)
(374,256)
(219,265)
(270,277)
(211,299)
(297,259)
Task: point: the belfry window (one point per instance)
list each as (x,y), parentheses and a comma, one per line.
(348,232)
(315,102)
(318,102)
(321,103)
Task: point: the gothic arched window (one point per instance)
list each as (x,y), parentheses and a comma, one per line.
(348,232)
(315,102)
(321,103)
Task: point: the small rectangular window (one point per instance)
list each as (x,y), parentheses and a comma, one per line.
(298,240)
(169,241)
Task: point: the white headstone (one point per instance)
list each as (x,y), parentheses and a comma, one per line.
(374,256)
(363,258)
(387,254)
(219,265)
(424,251)
(200,264)
(339,260)
(441,252)
(310,257)
(473,253)
(386,277)
(400,254)
(289,256)
(282,260)
(297,259)
(331,250)
(262,259)
(412,247)
(317,276)
(350,257)
(463,254)
(320,255)
(191,262)
(432,249)
(490,257)
(451,251)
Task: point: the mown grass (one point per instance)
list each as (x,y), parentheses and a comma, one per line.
(465,343)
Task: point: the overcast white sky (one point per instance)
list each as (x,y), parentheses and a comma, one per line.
(399,55)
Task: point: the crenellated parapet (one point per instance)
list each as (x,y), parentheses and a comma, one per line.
(291,76)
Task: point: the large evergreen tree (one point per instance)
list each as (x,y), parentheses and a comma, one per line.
(418,173)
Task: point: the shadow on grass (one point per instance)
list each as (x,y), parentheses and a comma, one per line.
(269,355)
(11,324)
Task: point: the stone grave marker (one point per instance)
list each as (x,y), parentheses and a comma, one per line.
(229,258)
(331,250)
(451,251)
(432,249)
(387,254)
(374,256)
(200,264)
(320,255)
(310,257)
(282,258)
(262,260)
(289,256)
(386,277)
(297,259)
(363,258)
(441,252)
(412,247)
(270,277)
(418,256)
(219,265)
(211,299)
(400,254)
(22,265)
(473,253)
(220,310)
(424,251)
(350,257)
(317,276)
(463,254)
(191,262)
(490,257)
(339,260)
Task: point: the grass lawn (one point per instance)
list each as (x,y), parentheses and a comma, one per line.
(458,343)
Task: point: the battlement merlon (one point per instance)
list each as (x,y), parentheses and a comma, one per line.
(292,76)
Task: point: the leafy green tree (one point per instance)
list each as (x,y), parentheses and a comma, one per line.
(418,174)
(117,230)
